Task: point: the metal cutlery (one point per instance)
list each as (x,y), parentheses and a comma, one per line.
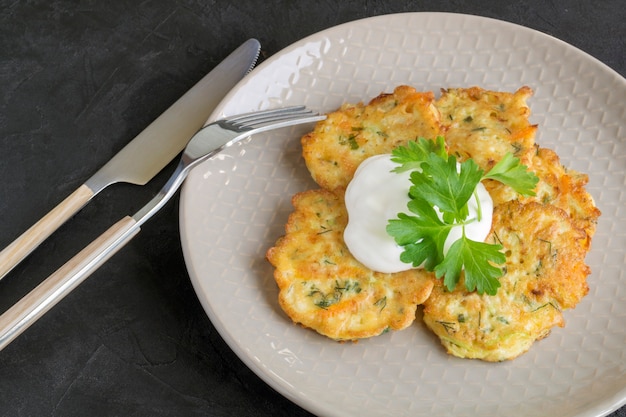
(147,154)
(208,142)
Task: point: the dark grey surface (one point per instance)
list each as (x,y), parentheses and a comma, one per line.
(80,79)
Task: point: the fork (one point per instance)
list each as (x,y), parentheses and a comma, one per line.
(206,143)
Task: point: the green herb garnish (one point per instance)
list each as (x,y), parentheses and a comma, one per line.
(438,201)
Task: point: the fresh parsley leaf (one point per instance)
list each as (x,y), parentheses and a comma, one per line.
(450,268)
(510,171)
(412,155)
(422,236)
(444,186)
(421,253)
(477,259)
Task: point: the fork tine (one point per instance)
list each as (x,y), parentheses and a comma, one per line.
(275,119)
(259,120)
(251,117)
(270,119)
(282,121)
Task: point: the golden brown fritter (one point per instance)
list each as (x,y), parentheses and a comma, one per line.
(324,288)
(545,274)
(486,125)
(558,186)
(564,188)
(337,145)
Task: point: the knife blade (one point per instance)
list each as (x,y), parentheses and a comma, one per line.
(165,138)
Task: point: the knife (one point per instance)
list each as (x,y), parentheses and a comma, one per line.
(165,138)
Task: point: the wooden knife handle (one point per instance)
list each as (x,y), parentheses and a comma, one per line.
(45,296)
(30,239)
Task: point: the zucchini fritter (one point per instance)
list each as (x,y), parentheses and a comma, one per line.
(545,274)
(564,188)
(337,145)
(558,186)
(324,288)
(486,125)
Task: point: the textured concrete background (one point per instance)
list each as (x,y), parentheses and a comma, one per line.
(78,80)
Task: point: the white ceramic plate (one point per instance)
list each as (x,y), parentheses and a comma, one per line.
(234,207)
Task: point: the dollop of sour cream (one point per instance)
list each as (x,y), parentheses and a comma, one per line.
(376,195)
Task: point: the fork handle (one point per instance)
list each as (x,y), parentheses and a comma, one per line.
(41,299)
(21,247)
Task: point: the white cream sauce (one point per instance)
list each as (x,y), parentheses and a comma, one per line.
(376,195)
